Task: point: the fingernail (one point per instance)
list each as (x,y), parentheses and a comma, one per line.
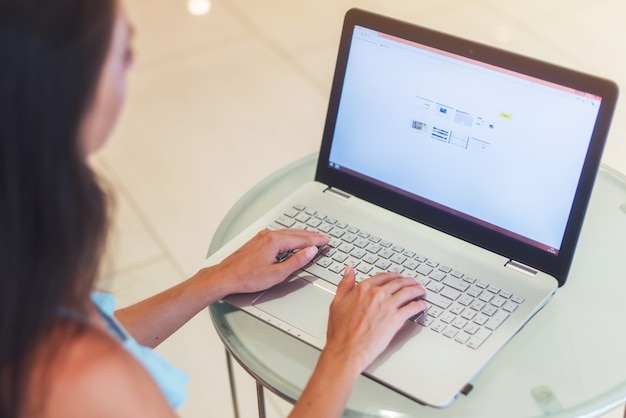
(310,252)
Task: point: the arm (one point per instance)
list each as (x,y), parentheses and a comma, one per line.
(252,268)
(363,320)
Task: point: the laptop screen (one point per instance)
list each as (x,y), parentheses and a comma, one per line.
(498,148)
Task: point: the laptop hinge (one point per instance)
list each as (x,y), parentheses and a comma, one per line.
(337,193)
(522,268)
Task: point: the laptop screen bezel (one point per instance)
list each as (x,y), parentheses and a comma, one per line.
(557,265)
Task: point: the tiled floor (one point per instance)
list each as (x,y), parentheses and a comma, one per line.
(219,101)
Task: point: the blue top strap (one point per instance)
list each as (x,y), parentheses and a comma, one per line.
(171,380)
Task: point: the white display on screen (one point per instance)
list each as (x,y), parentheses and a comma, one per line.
(504,149)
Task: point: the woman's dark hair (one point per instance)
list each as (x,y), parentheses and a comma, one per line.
(53,212)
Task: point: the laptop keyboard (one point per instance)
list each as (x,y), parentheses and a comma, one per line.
(462,308)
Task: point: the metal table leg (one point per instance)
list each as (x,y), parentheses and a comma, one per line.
(260,396)
(231,379)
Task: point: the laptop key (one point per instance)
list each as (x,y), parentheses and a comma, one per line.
(292,213)
(286,222)
(510,306)
(370,258)
(314,223)
(331,274)
(498,301)
(426,320)
(468,314)
(475,342)
(478,339)
(450,332)
(385,253)
(383,264)
(358,253)
(325,227)
(336,232)
(373,248)
(349,238)
(324,262)
(364,268)
(462,337)
(434,287)
(302,218)
(424,270)
(344,247)
(437,300)
(334,242)
(410,264)
(361,242)
(496,320)
(438,326)
(517,299)
(434,311)
(337,269)
(450,293)
(445,269)
(474,292)
(455,283)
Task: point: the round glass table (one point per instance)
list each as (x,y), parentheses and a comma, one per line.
(569,361)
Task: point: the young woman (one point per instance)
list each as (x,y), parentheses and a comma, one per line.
(62,352)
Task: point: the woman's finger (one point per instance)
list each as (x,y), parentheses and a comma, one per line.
(298,259)
(293,239)
(346,284)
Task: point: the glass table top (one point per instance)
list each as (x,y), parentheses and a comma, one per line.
(570,360)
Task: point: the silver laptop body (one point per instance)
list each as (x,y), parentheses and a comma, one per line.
(467,167)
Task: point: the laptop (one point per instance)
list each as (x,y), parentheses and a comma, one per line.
(467,167)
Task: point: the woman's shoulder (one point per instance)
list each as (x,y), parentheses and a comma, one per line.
(92,374)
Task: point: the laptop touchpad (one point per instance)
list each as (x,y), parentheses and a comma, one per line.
(299,302)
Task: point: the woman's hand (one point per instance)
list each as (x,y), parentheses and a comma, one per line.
(255,266)
(364,317)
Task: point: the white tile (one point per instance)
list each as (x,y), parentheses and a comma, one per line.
(583,33)
(593,35)
(141,281)
(165,31)
(482,23)
(532,9)
(302,26)
(277,407)
(320,66)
